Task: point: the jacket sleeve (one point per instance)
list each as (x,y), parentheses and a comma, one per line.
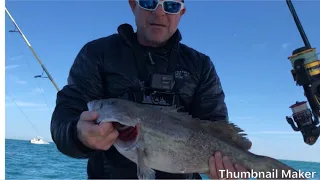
(84,84)
(209,100)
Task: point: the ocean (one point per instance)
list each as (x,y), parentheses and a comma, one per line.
(28,161)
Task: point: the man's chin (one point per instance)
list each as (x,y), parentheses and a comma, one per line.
(156,39)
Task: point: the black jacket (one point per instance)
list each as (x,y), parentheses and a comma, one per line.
(106,67)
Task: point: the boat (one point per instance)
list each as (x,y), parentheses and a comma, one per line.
(38,140)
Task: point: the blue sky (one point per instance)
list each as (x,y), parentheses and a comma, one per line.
(249,43)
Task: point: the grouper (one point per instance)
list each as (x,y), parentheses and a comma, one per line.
(170,140)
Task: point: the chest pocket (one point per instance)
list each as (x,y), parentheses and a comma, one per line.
(185,83)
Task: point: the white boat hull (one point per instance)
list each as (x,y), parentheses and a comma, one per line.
(38,141)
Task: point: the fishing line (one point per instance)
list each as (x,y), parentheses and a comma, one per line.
(22,111)
(38,84)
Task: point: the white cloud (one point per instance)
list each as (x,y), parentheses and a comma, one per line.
(12,66)
(37,91)
(17,80)
(15,57)
(39,108)
(25,104)
(285,46)
(21,82)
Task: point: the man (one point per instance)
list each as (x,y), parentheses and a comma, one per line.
(116,66)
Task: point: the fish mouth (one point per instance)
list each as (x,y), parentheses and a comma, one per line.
(128,136)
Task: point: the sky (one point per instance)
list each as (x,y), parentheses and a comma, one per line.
(248,42)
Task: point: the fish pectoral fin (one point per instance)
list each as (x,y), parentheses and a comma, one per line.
(144,172)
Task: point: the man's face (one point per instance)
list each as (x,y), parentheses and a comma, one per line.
(156,26)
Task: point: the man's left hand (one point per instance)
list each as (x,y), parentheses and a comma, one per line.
(218,163)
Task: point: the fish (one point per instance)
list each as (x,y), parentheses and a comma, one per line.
(167,139)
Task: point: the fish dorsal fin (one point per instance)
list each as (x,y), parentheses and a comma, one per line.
(224,130)
(227,131)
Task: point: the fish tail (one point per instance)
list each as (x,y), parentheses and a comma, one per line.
(280,169)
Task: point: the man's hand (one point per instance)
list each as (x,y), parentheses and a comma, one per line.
(219,162)
(94,136)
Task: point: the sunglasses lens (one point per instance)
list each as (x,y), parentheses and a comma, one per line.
(171,6)
(168,6)
(148,4)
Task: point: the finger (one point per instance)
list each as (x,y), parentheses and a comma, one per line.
(93,130)
(100,131)
(84,121)
(219,165)
(108,141)
(105,128)
(239,168)
(212,168)
(112,137)
(228,165)
(88,116)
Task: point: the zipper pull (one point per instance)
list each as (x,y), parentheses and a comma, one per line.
(151,60)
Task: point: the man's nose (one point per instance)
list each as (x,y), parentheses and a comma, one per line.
(159,10)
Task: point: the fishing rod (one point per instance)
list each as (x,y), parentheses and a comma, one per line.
(306,73)
(32,50)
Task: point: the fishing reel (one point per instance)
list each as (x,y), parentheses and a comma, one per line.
(303,117)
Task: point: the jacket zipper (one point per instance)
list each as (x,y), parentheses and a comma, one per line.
(151,60)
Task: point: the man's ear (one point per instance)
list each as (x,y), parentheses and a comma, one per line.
(132,4)
(183,11)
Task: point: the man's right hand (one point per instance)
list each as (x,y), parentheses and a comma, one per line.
(94,136)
